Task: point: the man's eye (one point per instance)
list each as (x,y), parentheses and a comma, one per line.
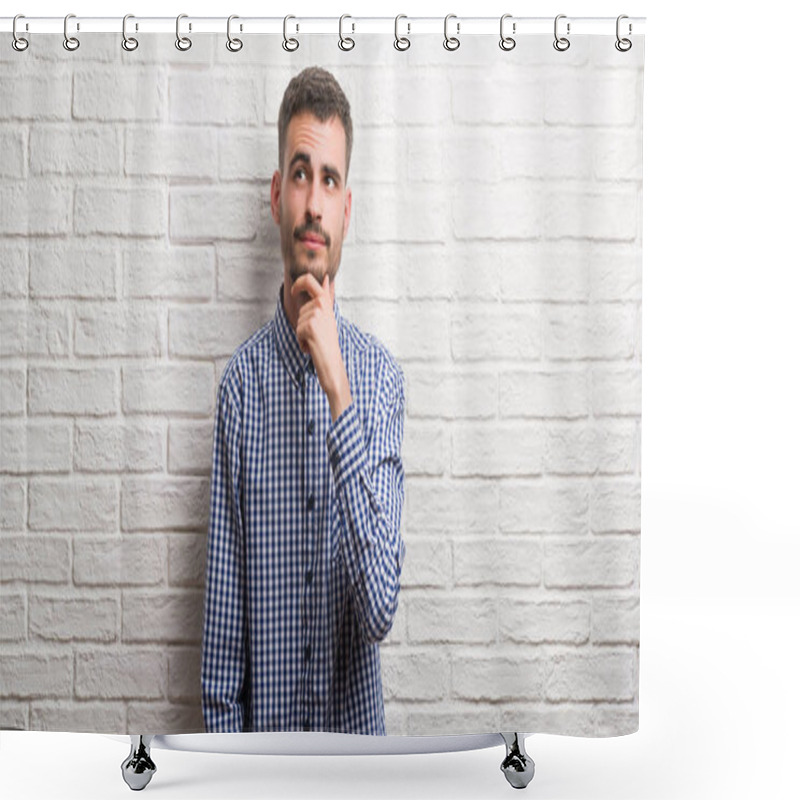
(300,173)
(331,181)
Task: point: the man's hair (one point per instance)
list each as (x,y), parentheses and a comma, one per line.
(317,91)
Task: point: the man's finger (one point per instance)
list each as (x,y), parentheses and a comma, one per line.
(307,283)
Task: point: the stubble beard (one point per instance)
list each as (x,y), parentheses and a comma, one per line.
(302,260)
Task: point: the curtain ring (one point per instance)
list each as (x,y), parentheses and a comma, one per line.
(451,42)
(345,42)
(561,43)
(233,44)
(70,42)
(623,45)
(19,43)
(289,44)
(401,42)
(183,43)
(507,42)
(128,42)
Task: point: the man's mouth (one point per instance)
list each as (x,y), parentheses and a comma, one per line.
(312,241)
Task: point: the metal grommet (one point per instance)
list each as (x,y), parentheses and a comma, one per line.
(345,42)
(561,43)
(290,44)
(183,43)
(451,42)
(623,45)
(19,43)
(507,42)
(233,44)
(401,42)
(128,42)
(70,42)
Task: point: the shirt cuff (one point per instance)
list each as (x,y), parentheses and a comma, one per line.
(346,451)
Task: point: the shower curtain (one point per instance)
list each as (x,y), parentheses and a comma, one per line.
(492,255)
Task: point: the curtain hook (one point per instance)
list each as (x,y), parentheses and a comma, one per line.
(561,43)
(623,45)
(401,42)
(346,43)
(289,44)
(70,42)
(19,43)
(507,42)
(233,44)
(183,43)
(128,42)
(451,42)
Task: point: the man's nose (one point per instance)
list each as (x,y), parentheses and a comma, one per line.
(313,207)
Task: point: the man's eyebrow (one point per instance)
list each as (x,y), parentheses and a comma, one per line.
(304,157)
(328,170)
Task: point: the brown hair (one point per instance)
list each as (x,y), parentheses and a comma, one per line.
(315,90)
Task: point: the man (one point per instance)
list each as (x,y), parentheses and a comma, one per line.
(304,546)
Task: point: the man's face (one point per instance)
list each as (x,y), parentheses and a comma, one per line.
(309,199)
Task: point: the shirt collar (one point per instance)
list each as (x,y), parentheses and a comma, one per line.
(294,359)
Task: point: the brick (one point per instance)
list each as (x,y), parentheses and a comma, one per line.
(448,721)
(119,93)
(562,718)
(30,447)
(179,389)
(175,273)
(444,395)
(65,619)
(78,717)
(213,213)
(564,394)
(47,95)
(616,506)
(597,331)
(513,333)
(14,274)
(171,718)
(497,562)
(121,561)
(171,151)
(211,330)
(618,155)
(595,564)
(13,508)
(34,330)
(499,677)
(251,275)
(216,98)
(187,560)
(422,97)
(62,270)
(615,620)
(377,272)
(12,392)
(247,155)
(87,392)
(125,210)
(380,155)
(433,505)
(608,98)
(545,506)
(497,102)
(426,450)
(190,447)
(74,150)
(168,617)
(434,619)
(617,392)
(36,207)
(164,503)
(488,449)
(184,675)
(36,675)
(13,620)
(578,449)
(593,677)
(385,214)
(538,623)
(616,719)
(120,673)
(14,716)
(552,152)
(121,329)
(474,155)
(615,272)
(428,562)
(13,147)
(557,272)
(73,504)
(34,559)
(129,446)
(414,675)
(609,215)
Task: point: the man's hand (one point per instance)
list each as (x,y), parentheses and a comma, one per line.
(317,335)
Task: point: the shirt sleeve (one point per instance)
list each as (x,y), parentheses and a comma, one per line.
(224,646)
(368,484)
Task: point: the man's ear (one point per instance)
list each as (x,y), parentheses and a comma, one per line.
(348,204)
(275,197)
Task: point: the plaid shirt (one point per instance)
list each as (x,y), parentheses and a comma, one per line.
(304,546)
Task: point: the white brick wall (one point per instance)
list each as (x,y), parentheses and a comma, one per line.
(495,247)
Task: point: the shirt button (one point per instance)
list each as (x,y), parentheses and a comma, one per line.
(309,576)
(310,504)
(308,652)
(311,427)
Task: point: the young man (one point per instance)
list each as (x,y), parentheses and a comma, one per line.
(304,546)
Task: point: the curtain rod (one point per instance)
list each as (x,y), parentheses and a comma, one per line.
(461,26)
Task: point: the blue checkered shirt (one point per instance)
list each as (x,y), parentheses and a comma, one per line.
(304,547)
